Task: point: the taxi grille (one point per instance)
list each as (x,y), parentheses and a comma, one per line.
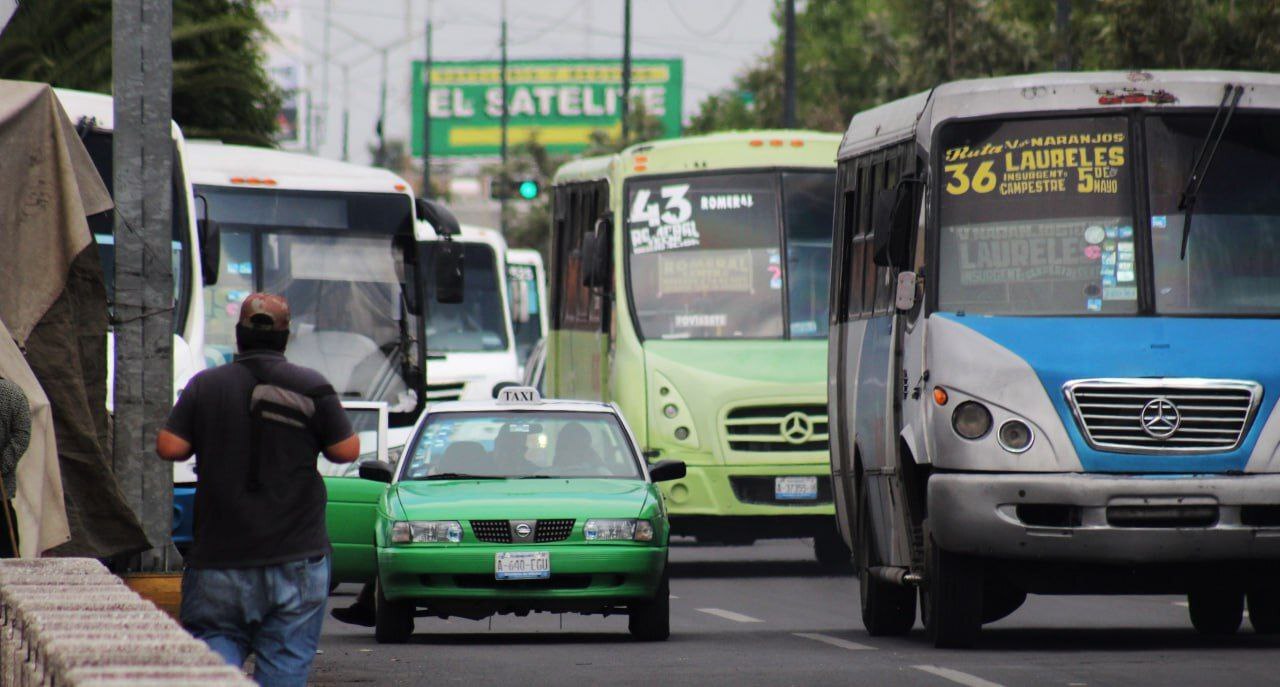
(492,531)
(777,428)
(499,531)
(552,530)
(447,391)
(1163,415)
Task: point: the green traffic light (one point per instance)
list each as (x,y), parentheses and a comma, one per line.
(528,189)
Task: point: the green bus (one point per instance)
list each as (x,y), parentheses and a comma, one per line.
(689,286)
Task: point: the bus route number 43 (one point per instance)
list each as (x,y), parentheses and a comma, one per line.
(676,207)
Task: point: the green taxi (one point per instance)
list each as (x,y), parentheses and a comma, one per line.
(521,505)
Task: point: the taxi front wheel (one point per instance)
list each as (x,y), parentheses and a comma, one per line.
(650,621)
(393,620)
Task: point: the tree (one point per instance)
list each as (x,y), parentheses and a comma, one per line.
(220,86)
(854,54)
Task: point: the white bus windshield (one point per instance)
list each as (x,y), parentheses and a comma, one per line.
(705,254)
(479,323)
(98,143)
(526,309)
(1037,218)
(1233,248)
(332,255)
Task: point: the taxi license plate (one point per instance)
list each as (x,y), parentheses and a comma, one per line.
(795,488)
(522,565)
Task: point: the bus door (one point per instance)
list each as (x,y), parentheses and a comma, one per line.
(875,360)
(580,345)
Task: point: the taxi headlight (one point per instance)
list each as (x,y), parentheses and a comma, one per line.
(426,531)
(618,530)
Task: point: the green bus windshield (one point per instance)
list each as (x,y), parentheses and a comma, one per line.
(706,254)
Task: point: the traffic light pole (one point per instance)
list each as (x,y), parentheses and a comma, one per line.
(505,115)
(626,72)
(426,114)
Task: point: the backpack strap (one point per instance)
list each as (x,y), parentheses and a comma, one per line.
(253,480)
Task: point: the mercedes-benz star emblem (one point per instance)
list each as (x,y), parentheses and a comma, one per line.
(523,530)
(1160,418)
(797,428)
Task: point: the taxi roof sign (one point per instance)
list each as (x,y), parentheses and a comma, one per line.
(519,394)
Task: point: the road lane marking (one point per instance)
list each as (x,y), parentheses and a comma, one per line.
(730,615)
(957,676)
(834,641)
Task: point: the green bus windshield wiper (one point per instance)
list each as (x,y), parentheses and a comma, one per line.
(460,475)
(1204,158)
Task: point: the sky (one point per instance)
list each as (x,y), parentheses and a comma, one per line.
(716,38)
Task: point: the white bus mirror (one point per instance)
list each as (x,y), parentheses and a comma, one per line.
(905,296)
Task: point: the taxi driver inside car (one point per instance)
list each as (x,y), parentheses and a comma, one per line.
(521,505)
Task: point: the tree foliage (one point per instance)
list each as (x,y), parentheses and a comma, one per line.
(853,54)
(220,86)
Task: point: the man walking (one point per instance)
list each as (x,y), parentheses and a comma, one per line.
(257,574)
(15,434)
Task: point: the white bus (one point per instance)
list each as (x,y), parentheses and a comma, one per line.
(527,285)
(193,267)
(472,348)
(339,242)
(1044,378)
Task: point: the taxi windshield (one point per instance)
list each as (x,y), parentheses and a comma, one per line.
(521,445)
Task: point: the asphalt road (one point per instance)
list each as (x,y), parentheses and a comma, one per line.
(768,615)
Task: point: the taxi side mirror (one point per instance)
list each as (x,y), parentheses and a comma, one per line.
(376,471)
(667,470)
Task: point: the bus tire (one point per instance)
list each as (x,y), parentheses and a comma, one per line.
(887,609)
(951,595)
(1000,599)
(393,620)
(1216,612)
(650,621)
(1264,611)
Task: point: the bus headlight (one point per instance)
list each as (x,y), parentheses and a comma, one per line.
(971,420)
(426,532)
(1015,436)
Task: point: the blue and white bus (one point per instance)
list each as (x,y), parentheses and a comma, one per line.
(1053,348)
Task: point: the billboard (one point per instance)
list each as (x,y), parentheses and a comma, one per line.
(561,102)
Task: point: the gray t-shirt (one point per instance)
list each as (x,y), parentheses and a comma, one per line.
(282,519)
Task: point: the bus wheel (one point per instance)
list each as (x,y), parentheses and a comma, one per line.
(393,620)
(952,596)
(829,548)
(887,609)
(1000,599)
(1264,612)
(1217,612)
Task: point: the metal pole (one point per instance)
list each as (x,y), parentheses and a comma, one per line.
(316,117)
(382,114)
(1064,35)
(142,158)
(505,117)
(346,111)
(789,69)
(426,113)
(626,71)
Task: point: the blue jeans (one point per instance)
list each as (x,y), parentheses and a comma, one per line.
(274,612)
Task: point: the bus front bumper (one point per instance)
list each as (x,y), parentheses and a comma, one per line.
(1106,518)
(741,499)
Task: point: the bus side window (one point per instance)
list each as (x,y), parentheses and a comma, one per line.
(841,273)
(869,183)
(885,275)
(560,256)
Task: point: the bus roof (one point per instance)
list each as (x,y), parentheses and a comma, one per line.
(524,256)
(96,106)
(918,115)
(726,150)
(218,164)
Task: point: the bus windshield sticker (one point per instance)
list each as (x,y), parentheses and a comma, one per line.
(725,271)
(1076,162)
